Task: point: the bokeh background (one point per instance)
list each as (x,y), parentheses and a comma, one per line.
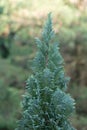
(20,22)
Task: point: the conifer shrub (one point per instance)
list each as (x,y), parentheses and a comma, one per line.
(46,105)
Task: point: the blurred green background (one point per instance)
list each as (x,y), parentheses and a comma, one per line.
(20,22)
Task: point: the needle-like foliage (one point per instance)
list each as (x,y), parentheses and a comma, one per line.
(46,105)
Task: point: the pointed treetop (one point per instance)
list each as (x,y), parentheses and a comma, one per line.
(48,32)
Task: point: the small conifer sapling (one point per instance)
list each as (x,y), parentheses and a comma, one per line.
(46,105)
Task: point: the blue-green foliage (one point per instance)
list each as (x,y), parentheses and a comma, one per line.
(46,105)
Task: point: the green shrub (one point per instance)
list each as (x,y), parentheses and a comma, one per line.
(46,105)
(9,106)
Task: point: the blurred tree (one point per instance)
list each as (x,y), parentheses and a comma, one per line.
(5,36)
(74,35)
(9,106)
